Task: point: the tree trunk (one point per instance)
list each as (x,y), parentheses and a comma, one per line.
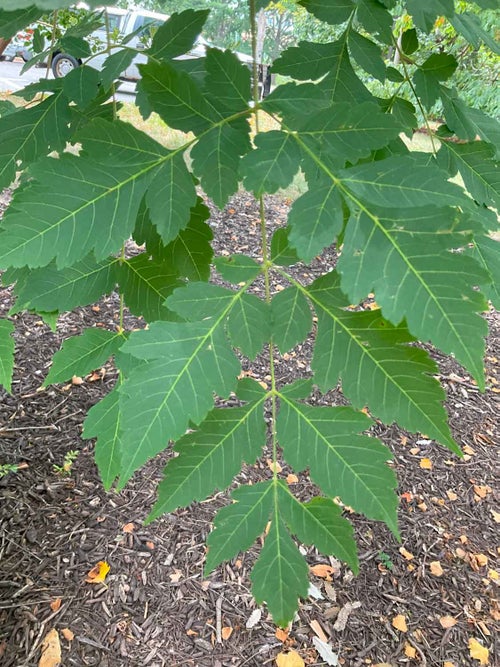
(3,44)
(261,34)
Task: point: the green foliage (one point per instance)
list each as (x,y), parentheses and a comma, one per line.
(416,242)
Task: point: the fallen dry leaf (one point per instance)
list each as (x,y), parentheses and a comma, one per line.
(451,495)
(68,634)
(447,663)
(76,380)
(226,632)
(55,604)
(273,466)
(399,622)
(447,621)
(495,515)
(176,576)
(436,568)
(406,554)
(478,651)
(344,613)
(493,574)
(253,619)
(128,528)
(325,650)
(98,573)
(478,561)
(290,659)
(318,630)
(292,479)
(482,490)
(426,464)
(410,651)
(322,570)
(281,635)
(51,650)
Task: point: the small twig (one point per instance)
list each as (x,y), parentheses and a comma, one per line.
(218,620)
(423,659)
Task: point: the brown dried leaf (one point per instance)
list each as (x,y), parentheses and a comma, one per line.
(318,630)
(410,651)
(426,464)
(68,634)
(76,380)
(447,621)
(273,466)
(406,554)
(482,490)
(436,568)
(98,573)
(281,635)
(322,570)
(292,479)
(51,650)
(55,604)
(399,622)
(128,528)
(451,495)
(226,632)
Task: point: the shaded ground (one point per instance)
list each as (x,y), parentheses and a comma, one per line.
(156,608)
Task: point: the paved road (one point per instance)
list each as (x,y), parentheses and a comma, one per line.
(12,80)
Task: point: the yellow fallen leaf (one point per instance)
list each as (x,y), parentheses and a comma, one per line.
(128,528)
(51,650)
(55,604)
(399,622)
(436,569)
(447,621)
(426,464)
(406,554)
(98,573)
(322,570)
(478,651)
(410,651)
(451,495)
(226,632)
(68,634)
(447,663)
(281,635)
(290,659)
(292,479)
(493,574)
(480,559)
(468,450)
(482,490)
(274,466)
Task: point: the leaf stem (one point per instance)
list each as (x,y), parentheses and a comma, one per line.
(420,106)
(52,42)
(108,51)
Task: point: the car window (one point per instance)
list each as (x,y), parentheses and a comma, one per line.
(150,27)
(115,21)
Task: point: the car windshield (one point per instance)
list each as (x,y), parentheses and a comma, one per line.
(115,21)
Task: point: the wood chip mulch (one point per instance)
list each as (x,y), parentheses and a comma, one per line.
(155,607)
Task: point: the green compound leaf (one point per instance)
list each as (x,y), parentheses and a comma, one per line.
(292,318)
(170,198)
(342,84)
(216,160)
(330,11)
(211,456)
(185,365)
(398,383)
(422,280)
(10,5)
(469,25)
(273,164)
(438,67)
(315,220)
(320,522)
(425,12)
(227,82)
(350,133)
(282,253)
(397,182)
(81,354)
(49,289)
(145,284)
(81,85)
(6,354)
(280,575)
(375,19)
(178,34)
(237,268)
(30,133)
(237,526)
(467,123)
(11,22)
(367,54)
(106,182)
(114,65)
(103,422)
(176,98)
(308,60)
(476,164)
(249,325)
(340,461)
(486,251)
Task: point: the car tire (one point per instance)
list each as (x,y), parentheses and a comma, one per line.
(64,63)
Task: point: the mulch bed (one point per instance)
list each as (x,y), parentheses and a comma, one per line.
(156,607)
